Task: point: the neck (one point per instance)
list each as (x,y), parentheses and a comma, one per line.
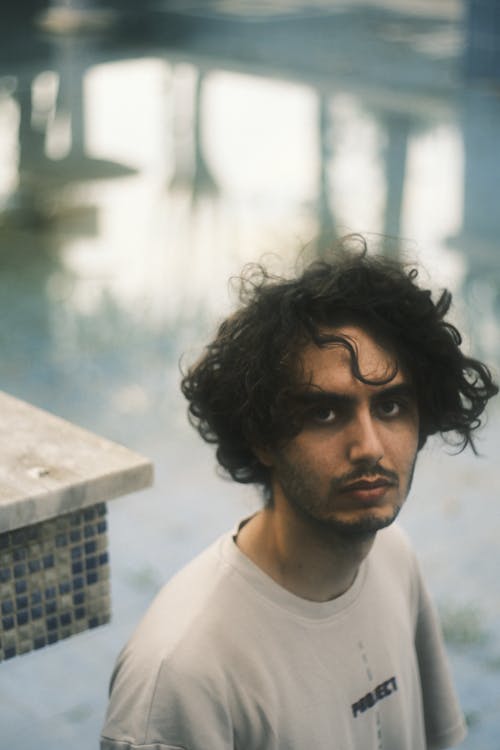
(312,562)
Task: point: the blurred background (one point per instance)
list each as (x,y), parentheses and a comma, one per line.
(148,150)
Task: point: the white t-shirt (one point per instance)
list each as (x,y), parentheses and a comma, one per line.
(226,659)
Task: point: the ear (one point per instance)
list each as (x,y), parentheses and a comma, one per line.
(264,455)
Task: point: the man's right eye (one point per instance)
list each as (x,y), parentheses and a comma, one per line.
(323,415)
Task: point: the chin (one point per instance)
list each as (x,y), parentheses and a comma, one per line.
(362,526)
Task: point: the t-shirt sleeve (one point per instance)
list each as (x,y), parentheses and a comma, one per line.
(444,721)
(167,708)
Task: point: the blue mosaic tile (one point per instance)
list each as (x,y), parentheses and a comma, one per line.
(21,586)
(19,570)
(54,580)
(48,561)
(65,619)
(5,575)
(8,623)
(79,597)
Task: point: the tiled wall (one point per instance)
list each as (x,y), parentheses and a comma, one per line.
(54,580)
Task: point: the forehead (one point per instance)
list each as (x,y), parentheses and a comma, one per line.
(330,367)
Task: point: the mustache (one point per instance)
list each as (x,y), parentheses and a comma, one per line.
(338,483)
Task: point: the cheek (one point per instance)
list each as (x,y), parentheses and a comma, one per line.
(405,449)
(316,451)
(318,462)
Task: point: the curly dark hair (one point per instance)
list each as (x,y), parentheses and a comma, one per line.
(243,391)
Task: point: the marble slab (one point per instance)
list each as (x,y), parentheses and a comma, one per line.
(49,466)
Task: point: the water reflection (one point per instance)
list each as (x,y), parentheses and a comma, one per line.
(145,163)
(191,170)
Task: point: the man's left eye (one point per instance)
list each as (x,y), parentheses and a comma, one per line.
(390,408)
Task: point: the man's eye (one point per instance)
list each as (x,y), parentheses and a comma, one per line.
(324,415)
(390,408)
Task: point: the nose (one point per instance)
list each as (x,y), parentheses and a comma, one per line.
(364,443)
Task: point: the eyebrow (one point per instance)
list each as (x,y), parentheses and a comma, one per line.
(320,396)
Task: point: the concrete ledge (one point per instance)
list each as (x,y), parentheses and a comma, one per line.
(50,467)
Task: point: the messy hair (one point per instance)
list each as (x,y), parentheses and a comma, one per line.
(243,391)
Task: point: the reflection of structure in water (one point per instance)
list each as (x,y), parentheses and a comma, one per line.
(479,239)
(341,49)
(41,191)
(482,56)
(191,170)
(335,49)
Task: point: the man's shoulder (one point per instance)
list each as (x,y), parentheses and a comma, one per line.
(393,554)
(194,612)
(185,601)
(177,655)
(394,540)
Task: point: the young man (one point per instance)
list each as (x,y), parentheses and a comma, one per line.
(309,625)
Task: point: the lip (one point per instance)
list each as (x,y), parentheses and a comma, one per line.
(367,484)
(366,491)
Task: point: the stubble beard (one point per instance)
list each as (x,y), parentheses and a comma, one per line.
(319,512)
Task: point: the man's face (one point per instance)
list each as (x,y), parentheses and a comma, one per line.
(351,466)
